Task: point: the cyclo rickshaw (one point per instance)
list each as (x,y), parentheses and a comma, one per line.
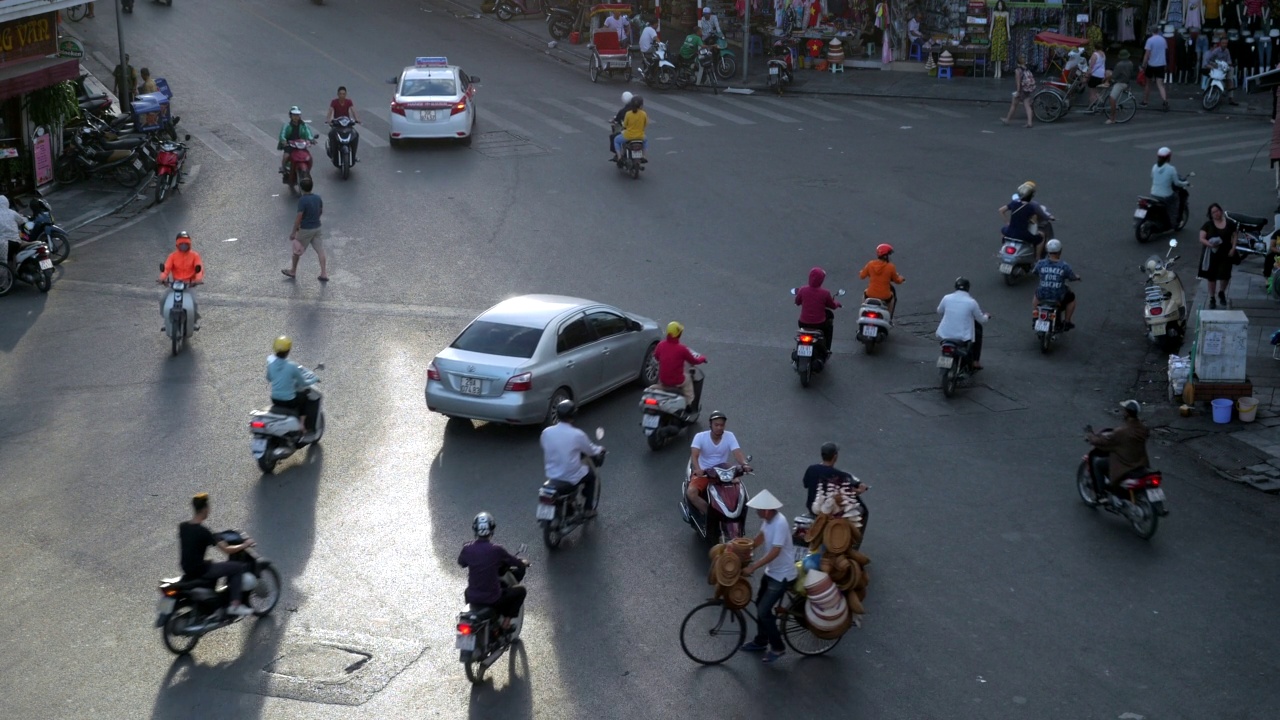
(1067,60)
(607,53)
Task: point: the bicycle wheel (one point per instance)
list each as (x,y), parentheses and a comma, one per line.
(75,13)
(795,632)
(1126,108)
(1048,105)
(711,633)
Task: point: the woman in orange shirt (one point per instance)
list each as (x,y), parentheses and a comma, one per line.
(882,276)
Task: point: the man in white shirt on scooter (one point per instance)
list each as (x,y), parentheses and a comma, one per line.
(711,448)
(962,319)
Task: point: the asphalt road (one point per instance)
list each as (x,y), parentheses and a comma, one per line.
(995,593)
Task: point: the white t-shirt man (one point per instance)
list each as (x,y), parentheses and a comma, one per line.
(1156,47)
(710,453)
(777,534)
(647,38)
(619,24)
(709,24)
(563,446)
(913,29)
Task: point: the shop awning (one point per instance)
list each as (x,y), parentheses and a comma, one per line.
(24,77)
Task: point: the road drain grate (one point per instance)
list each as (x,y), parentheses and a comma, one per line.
(501,143)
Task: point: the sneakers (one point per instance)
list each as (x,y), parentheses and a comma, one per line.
(1222,297)
(240,610)
(754,646)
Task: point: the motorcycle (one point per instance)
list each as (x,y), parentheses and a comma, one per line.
(666,413)
(507,9)
(780,67)
(298,165)
(1018,256)
(170,160)
(697,72)
(189,609)
(31,264)
(811,353)
(727,498)
(1251,239)
(278,432)
(562,508)
(1151,218)
(722,58)
(632,161)
(42,228)
(125,160)
(1139,498)
(1165,313)
(179,315)
(1048,324)
(341,155)
(562,20)
(481,640)
(657,71)
(955,365)
(1217,85)
(874,321)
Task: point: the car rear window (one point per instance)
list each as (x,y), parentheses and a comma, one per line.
(428,87)
(493,338)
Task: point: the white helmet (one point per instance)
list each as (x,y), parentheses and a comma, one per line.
(626,97)
(1164,152)
(1053,247)
(294,110)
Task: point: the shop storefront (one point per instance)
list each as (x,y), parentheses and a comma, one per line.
(29,64)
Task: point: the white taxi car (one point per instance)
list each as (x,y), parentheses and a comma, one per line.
(433,100)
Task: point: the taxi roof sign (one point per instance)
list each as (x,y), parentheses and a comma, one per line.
(426,62)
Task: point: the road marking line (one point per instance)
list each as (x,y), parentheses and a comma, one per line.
(503,123)
(191,176)
(843,109)
(594,121)
(1238,158)
(1202,137)
(944,112)
(259,136)
(795,108)
(890,109)
(530,112)
(214,143)
(1256,143)
(372,140)
(1153,132)
(712,111)
(656,107)
(747,107)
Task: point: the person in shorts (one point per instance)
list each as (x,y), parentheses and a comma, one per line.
(306,230)
(1154,57)
(1121,76)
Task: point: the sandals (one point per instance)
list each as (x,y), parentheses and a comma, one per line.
(288,274)
(323,278)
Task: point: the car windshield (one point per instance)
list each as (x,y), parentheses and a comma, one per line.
(428,87)
(493,338)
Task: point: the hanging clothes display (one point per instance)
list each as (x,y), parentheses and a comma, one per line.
(884,24)
(1194,12)
(1173,15)
(1126,25)
(1000,36)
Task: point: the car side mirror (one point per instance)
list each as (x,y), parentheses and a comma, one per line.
(394,80)
(636,326)
(475,80)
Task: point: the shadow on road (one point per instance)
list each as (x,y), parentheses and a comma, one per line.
(509,694)
(193,689)
(21,311)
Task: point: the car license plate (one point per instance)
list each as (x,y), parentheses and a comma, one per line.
(650,420)
(470,386)
(1140,213)
(46,264)
(137,163)
(546,511)
(165,606)
(465,642)
(1155,495)
(804,350)
(259,446)
(773,70)
(870,330)
(1006,269)
(427,115)
(1157,330)
(1042,326)
(945,362)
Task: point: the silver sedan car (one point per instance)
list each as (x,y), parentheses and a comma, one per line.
(518,359)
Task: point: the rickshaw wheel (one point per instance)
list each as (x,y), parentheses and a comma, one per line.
(594,68)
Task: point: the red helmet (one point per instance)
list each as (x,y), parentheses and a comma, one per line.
(883,249)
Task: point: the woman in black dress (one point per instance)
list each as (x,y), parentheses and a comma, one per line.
(1218,238)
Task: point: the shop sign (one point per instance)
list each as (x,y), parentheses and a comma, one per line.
(8,153)
(70,47)
(42,154)
(34,36)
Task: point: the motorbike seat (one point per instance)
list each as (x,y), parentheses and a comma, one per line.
(1151,199)
(127,142)
(562,488)
(284,410)
(1250,222)
(185,583)
(480,612)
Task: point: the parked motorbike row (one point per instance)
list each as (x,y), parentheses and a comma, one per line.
(714,62)
(43,245)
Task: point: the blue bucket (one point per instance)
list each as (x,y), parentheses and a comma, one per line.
(1222,410)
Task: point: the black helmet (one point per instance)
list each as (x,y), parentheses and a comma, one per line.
(962,283)
(483,525)
(717,415)
(1131,407)
(566,410)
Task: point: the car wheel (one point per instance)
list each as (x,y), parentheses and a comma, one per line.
(649,367)
(394,142)
(556,397)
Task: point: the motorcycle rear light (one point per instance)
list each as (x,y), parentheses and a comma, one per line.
(1044,316)
(464,628)
(651,401)
(169,592)
(257,424)
(460,106)
(397,108)
(1156,310)
(873,315)
(1151,481)
(1009,249)
(433,373)
(806,339)
(520,383)
(948,350)
(1143,203)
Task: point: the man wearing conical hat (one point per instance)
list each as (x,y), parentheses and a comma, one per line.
(779,566)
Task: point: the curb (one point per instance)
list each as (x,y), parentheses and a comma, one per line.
(137,193)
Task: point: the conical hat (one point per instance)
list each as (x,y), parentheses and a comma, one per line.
(764,500)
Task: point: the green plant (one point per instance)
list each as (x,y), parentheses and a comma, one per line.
(54,105)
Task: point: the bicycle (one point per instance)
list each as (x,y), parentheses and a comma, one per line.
(76,13)
(720,623)
(1126,105)
(1054,102)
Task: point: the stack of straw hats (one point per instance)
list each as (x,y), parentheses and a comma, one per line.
(727,562)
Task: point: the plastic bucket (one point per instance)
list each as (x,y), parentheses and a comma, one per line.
(1222,410)
(1248,408)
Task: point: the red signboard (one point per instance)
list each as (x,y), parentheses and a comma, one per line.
(43,156)
(29,37)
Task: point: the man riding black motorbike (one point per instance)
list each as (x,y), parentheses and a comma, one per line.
(1124,449)
(486,562)
(341,106)
(563,447)
(825,475)
(194,539)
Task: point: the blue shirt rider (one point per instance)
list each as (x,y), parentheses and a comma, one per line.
(1053,288)
(1019,214)
(289,383)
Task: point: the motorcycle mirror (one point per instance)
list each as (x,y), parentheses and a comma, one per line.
(840,293)
(793,291)
(161,267)
(749,459)
(1173,243)
(199,268)
(186,138)
(520,550)
(599,433)
(319,366)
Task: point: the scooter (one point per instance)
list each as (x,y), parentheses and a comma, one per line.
(780,67)
(170,160)
(1217,85)
(1139,498)
(179,312)
(189,609)
(811,353)
(1018,256)
(481,639)
(1151,218)
(665,413)
(123,160)
(874,321)
(722,57)
(657,71)
(697,72)
(343,157)
(1166,303)
(504,10)
(561,20)
(727,498)
(632,160)
(1048,324)
(31,264)
(42,228)
(562,508)
(278,432)
(955,365)
(299,164)
(1251,239)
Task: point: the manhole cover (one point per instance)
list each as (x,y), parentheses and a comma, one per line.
(501,143)
(969,400)
(319,663)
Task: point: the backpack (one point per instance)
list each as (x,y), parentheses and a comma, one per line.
(1026,81)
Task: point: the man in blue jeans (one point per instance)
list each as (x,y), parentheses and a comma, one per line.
(779,565)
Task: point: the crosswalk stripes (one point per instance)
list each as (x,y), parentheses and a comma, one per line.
(890,109)
(1255,143)
(703,107)
(1198,137)
(1143,130)
(754,108)
(663,110)
(486,115)
(794,107)
(944,112)
(536,115)
(214,143)
(595,121)
(840,108)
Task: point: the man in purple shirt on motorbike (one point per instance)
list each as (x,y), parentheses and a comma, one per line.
(486,563)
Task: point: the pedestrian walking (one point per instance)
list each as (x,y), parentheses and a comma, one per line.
(306,230)
(1024,88)
(779,566)
(1218,236)
(1154,58)
(125,81)
(89,6)
(1121,76)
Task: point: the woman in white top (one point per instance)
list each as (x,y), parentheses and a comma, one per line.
(1097,72)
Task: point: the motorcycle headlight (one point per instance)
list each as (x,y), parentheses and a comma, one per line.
(28,226)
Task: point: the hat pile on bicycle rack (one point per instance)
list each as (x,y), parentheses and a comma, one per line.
(837,587)
(727,562)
